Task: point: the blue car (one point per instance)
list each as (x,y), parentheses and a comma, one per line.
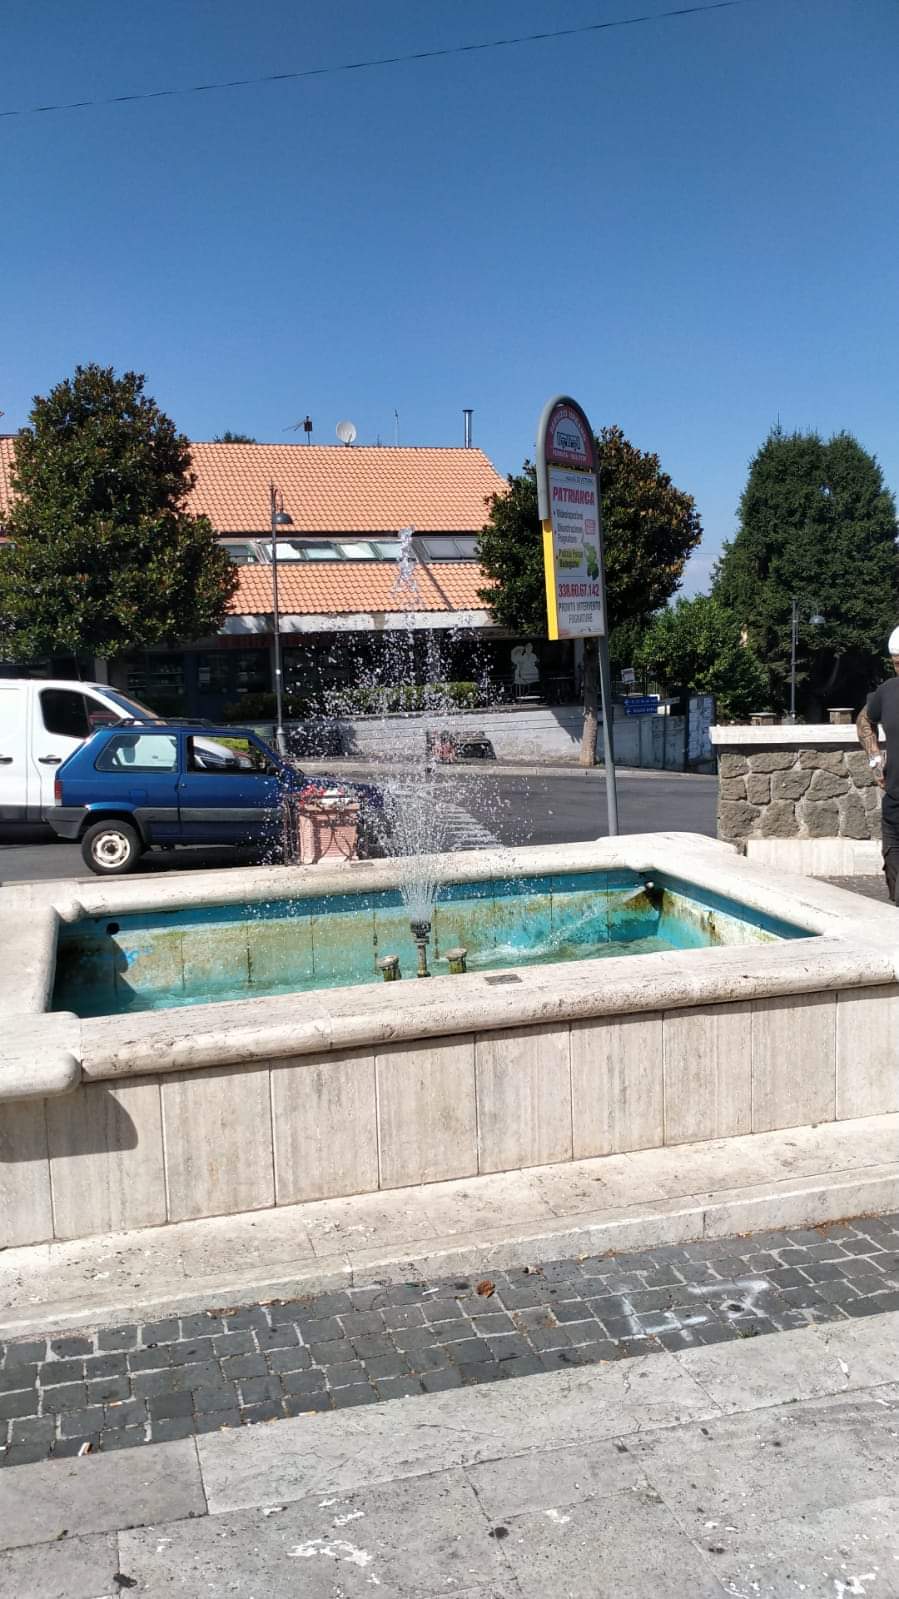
(138,786)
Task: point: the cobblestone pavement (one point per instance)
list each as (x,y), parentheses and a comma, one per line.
(231,1366)
(872,887)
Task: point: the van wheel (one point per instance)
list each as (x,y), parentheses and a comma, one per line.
(110,848)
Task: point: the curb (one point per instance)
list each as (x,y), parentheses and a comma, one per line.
(808,1202)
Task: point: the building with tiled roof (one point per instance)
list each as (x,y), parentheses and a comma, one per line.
(342,593)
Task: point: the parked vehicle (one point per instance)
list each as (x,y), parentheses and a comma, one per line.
(43,720)
(133,787)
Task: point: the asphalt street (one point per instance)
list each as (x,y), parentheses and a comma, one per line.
(509,808)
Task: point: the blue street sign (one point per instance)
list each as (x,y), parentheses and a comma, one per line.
(644,705)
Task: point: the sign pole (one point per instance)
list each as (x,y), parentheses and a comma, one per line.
(571,521)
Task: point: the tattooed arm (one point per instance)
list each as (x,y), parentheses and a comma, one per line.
(867,735)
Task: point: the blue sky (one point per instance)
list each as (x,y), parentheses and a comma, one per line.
(690,225)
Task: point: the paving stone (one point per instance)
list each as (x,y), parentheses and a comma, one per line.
(241,1342)
(336,1352)
(252,1316)
(256,1390)
(358,1394)
(106,1389)
(435,1382)
(69,1396)
(25,1352)
(320,1329)
(163,1406)
(411,1338)
(381,1366)
(398,1387)
(288,1359)
(105,1366)
(117,1338)
(397,1316)
(192,1350)
(172,1427)
(351,1371)
(206,1399)
(17,1378)
(201,1326)
(122,1438)
(438,1310)
(306,1404)
(265,1410)
(145,1384)
(32,1430)
(59,1371)
(23,1454)
(68,1448)
(149,1359)
(285,1337)
(81,1423)
(161,1332)
(215,1420)
(302,1382)
(131,1413)
(65,1347)
(371,1344)
(244,1366)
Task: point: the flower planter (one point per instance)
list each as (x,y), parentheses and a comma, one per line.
(327,829)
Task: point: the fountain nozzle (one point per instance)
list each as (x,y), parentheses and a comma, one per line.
(457,958)
(390,966)
(421,932)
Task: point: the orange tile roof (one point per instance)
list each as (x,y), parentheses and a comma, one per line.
(7,443)
(330,489)
(334,588)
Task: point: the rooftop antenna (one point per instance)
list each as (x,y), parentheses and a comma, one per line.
(306,425)
(396,427)
(346,432)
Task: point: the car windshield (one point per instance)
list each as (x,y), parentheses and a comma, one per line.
(132,707)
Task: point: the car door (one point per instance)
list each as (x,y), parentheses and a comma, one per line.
(139,771)
(18,784)
(228,805)
(59,725)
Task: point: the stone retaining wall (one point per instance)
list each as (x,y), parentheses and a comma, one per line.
(768,791)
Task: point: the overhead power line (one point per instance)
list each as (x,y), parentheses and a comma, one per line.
(380,61)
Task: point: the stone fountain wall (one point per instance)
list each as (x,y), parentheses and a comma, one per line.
(804,790)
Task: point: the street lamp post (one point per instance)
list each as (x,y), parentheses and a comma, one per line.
(816,619)
(279,518)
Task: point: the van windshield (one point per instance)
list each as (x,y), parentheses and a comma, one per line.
(131,707)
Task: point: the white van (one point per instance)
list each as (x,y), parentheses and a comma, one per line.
(42,720)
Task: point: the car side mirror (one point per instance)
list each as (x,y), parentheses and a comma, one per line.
(97,719)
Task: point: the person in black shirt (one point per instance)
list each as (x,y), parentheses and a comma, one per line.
(882,710)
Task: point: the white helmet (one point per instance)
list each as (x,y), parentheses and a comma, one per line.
(893,642)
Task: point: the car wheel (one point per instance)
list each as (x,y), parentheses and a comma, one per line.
(110,848)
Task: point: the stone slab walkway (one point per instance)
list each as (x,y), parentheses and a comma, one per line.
(762,1467)
(233,1366)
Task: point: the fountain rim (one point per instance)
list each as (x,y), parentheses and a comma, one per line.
(854,945)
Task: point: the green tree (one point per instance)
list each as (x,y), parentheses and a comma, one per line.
(818,525)
(233,438)
(106,557)
(696,645)
(649,529)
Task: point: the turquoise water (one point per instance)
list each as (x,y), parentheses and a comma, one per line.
(110,965)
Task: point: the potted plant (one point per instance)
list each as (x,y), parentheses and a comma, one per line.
(327,823)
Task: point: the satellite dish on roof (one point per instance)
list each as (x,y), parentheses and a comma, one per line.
(346,432)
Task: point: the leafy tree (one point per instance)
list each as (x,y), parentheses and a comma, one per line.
(649,530)
(696,645)
(233,438)
(106,556)
(816,524)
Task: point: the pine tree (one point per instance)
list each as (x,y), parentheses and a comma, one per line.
(817,525)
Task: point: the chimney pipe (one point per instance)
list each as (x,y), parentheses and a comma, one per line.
(467,415)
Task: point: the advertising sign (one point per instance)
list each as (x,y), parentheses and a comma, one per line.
(573,589)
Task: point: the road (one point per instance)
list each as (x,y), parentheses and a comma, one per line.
(509,808)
